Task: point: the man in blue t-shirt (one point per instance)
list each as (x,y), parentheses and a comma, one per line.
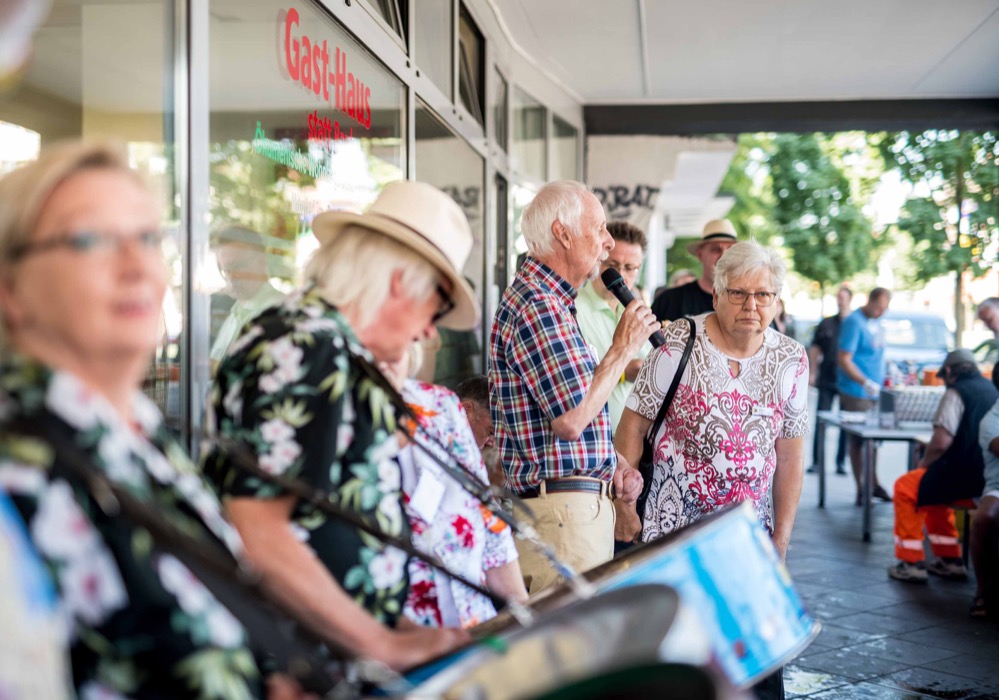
(861,371)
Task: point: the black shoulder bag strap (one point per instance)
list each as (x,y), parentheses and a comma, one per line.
(682,365)
(645,468)
(269,632)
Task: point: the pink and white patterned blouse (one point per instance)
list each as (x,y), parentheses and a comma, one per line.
(468,539)
(717,444)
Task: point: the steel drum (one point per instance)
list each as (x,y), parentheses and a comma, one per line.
(712,596)
(735,595)
(574,641)
(664,680)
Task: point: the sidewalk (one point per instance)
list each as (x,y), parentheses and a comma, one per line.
(880,638)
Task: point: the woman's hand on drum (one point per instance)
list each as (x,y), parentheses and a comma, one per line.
(410,645)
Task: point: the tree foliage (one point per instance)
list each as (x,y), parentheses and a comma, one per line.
(750,214)
(952,214)
(745,182)
(824,228)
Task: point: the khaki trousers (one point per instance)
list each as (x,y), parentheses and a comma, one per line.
(578,526)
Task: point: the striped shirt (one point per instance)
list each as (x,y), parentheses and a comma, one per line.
(540,367)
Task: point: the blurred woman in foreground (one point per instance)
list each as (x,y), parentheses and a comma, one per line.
(82,279)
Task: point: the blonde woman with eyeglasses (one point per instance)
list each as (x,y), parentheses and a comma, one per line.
(82,280)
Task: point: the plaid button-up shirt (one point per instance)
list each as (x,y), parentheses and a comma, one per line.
(540,367)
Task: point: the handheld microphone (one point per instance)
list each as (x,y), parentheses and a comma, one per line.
(614,282)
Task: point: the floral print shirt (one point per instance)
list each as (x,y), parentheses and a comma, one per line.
(291,388)
(717,444)
(466,537)
(141,624)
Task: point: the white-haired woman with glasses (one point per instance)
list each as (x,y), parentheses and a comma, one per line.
(737,423)
(736,426)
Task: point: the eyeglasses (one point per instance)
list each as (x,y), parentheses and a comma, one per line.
(91,242)
(615,265)
(446,307)
(739,297)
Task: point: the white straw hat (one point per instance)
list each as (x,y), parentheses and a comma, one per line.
(714,230)
(426,220)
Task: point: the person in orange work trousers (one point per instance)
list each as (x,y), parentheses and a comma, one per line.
(950,470)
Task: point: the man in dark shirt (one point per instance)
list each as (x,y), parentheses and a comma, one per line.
(696,297)
(822,369)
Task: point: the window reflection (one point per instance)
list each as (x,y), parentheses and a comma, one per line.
(249,271)
(74,86)
(528,136)
(433,52)
(500,106)
(564,151)
(444,160)
(521,197)
(471,64)
(393,12)
(290,138)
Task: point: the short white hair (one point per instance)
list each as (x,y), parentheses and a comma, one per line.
(746,257)
(357,266)
(560,201)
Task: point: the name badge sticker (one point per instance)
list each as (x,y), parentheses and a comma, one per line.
(763,411)
(427,497)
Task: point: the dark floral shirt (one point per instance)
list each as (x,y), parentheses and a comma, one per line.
(141,625)
(291,389)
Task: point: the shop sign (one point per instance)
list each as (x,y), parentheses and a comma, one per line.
(307,61)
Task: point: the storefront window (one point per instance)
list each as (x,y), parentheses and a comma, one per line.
(517,251)
(528,136)
(564,151)
(434,55)
(471,64)
(445,161)
(94,74)
(500,105)
(503,270)
(393,13)
(311,124)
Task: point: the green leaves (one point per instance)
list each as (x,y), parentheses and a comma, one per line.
(952,215)
(816,209)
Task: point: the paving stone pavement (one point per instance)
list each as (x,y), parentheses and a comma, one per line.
(881,638)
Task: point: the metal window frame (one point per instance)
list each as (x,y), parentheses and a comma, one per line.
(376,16)
(398,56)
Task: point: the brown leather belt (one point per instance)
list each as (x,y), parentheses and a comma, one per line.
(572,484)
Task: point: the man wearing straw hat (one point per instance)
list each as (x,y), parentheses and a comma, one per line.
(696,297)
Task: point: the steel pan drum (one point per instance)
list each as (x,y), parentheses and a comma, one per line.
(730,578)
(673,681)
(611,631)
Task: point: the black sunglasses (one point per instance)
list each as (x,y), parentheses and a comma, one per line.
(446,308)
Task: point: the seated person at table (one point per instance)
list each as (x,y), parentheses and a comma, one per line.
(950,470)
